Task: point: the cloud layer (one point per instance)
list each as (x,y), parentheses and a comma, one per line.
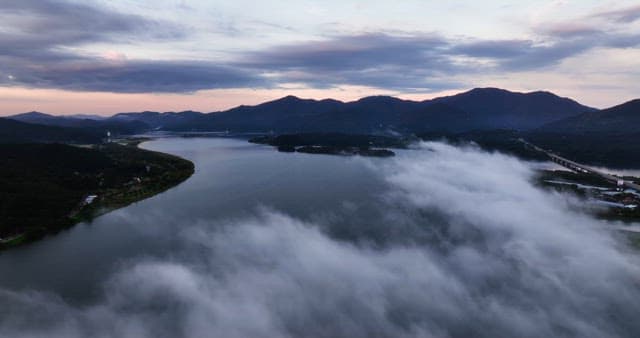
(462,245)
(40,35)
(45,43)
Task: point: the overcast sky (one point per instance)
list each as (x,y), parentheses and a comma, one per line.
(170,55)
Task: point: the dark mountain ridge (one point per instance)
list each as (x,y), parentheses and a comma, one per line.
(157,120)
(477,109)
(97,126)
(495,108)
(620,119)
(286,114)
(12,131)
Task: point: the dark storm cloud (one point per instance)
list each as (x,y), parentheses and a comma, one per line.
(518,55)
(422,61)
(125,76)
(467,247)
(417,62)
(359,51)
(498,49)
(134,76)
(521,55)
(37,32)
(377,60)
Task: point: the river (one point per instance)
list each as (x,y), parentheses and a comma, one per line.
(233,178)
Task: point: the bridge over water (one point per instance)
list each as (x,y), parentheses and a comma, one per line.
(575,166)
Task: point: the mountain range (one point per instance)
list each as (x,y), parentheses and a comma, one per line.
(477,109)
(488,116)
(480,109)
(88,123)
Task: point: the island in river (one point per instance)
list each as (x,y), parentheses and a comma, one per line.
(45,188)
(334,144)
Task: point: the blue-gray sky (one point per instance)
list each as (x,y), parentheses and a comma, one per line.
(69,56)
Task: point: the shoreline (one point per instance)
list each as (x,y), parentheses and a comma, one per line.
(172,171)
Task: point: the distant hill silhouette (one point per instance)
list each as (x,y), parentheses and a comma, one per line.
(97,126)
(621,119)
(494,108)
(478,109)
(156,120)
(12,131)
(286,114)
(608,137)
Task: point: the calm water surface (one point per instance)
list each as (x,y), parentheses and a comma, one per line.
(233,179)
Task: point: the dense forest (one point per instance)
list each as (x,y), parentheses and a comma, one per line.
(44,187)
(12,131)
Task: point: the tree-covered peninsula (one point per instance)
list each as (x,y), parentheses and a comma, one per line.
(45,188)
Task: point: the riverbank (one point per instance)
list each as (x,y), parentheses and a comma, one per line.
(46,188)
(605,199)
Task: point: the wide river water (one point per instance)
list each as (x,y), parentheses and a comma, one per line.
(233,179)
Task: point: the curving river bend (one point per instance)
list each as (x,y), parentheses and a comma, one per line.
(233,178)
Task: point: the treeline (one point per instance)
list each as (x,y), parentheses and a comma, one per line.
(43,186)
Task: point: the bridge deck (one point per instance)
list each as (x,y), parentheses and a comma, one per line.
(584,168)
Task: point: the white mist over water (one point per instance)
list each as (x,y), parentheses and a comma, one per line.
(464,245)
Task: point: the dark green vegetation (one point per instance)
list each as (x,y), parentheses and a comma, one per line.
(43,187)
(621,119)
(93,125)
(597,149)
(332,140)
(608,137)
(347,151)
(334,144)
(12,131)
(574,177)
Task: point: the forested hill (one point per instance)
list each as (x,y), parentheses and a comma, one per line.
(89,123)
(621,119)
(43,187)
(12,131)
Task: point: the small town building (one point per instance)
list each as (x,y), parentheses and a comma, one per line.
(89,199)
